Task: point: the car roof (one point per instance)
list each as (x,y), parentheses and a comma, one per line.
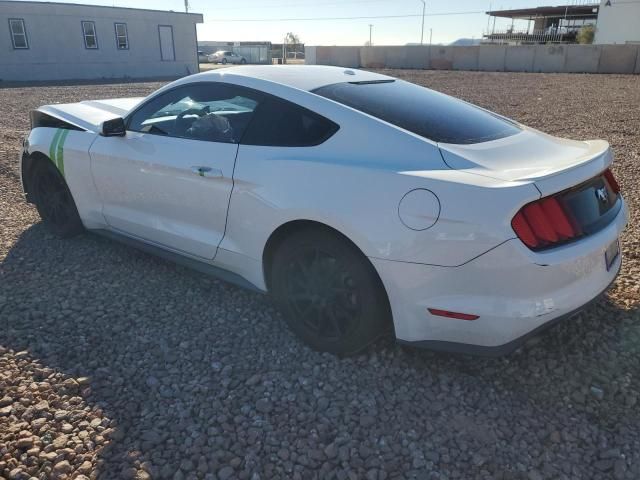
(303,77)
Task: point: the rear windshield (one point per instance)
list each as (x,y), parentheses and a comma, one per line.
(427,113)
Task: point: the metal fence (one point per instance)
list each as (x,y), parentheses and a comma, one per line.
(559,35)
(254,54)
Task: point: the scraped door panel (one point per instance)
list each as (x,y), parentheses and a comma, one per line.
(151,188)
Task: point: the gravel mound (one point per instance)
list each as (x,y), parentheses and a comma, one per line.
(117,365)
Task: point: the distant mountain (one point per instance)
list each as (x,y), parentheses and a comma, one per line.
(464,42)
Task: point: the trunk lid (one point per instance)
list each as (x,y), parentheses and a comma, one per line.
(552,164)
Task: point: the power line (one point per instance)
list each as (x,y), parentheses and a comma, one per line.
(305,4)
(370,17)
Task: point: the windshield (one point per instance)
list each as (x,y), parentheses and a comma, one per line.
(425,112)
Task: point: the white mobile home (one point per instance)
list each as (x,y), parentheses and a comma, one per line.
(58,41)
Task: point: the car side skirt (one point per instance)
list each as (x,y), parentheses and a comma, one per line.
(202,267)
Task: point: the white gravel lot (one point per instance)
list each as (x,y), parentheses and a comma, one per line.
(118,365)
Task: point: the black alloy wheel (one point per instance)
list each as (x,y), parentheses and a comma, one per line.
(322,293)
(53,200)
(328,291)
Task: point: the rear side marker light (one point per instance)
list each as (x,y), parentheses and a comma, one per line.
(448,314)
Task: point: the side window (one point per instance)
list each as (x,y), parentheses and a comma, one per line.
(89,33)
(209,112)
(278,123)
(122,36)
(18,33)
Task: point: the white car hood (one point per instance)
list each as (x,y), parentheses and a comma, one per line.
(551,163)
(90,114)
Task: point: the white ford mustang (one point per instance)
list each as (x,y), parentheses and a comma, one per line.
(359,201)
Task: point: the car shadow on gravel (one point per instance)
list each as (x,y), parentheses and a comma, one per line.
(166,373)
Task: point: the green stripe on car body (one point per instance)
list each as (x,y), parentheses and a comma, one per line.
(60,153)
(56,151)
(54,144)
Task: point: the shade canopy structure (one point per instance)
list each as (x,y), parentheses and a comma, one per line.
(589,11)
(546,24)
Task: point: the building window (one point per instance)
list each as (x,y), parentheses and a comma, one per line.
(18,33)
(89,32)
(122,37)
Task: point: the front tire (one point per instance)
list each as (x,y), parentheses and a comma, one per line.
(53,200)
(243,62)
(224,61)
(328,292)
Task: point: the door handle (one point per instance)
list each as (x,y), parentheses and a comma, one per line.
(208,172)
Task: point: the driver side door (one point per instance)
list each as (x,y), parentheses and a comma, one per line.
(169,179)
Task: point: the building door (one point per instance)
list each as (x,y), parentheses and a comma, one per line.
(167,51)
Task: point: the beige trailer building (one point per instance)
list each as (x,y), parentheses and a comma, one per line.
(42,41)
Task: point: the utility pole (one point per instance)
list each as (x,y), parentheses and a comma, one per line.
(424,6)
(370,29)
(186,6)
(284,50)
(430,35)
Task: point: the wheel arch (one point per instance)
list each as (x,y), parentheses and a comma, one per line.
(286,229)
(26,168)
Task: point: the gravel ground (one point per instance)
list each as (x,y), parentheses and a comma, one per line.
(115,364)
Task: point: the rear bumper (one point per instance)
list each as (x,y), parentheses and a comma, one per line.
(515,292)
(507,348)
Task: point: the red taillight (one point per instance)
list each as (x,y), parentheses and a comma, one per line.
(570,214)
(543,223)
(608,174)
(523,230)
(557,217)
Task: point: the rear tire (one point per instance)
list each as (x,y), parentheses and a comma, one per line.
(224,61)
(53,200)
(243,62)
(328,292)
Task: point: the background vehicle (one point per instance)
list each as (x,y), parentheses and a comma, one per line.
(202,57)
(360,202)
(226,56)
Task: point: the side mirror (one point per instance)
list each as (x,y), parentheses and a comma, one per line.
(113,128)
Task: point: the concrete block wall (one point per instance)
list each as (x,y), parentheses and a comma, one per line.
(583,58)
(550,58)
(441,58)
(520,58)
(618,59)
(489,58)
(340,56)
(466,58)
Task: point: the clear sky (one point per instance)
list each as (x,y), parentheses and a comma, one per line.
(386,31)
